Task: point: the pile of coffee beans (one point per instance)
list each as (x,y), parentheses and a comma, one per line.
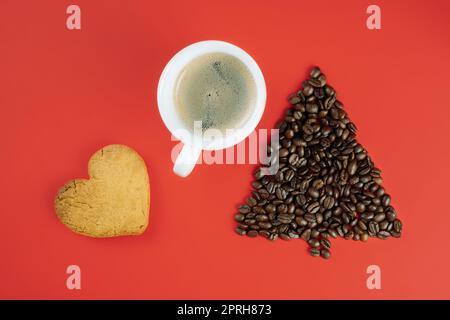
(326,186)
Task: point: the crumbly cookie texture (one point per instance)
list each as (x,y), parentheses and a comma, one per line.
(114,201)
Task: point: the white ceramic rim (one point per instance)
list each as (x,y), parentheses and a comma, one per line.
(169,76)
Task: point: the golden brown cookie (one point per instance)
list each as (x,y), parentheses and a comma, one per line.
(114,201)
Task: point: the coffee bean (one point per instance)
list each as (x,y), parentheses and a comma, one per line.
(265,225)
(263,193)
(252,233)
(257,185)
(328,203)
(312,108)
(283,152)
(306,234)
(313,193)
(252,202)
(386,200)
(362,225)
(264,233)
(293,99)
(261,218)
(379,217)
(289,134)
(240,231)
(284,237)
(315,72)
(249,221)
(314,243)
(308,90)
(273,236)
(270,208)
(314,252)
(325,243)
(282,208)
(360,207)
(332,233)
(293,159)
(397,226)
(383,235)
(244,209)
(323,79)
(352,166)
(313,207)
(325,253)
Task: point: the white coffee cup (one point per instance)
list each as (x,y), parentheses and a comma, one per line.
(193,146)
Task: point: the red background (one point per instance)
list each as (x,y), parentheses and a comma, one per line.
(64,94)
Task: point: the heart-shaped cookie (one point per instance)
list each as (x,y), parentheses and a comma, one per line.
(114,201)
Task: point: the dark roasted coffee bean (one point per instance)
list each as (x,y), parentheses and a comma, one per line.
(315,72)
(367,215)
(384,225)
(395,234)
(314,243)
(315,234)
(289,134)
(323,79)
(285,237)
(383,235)
(264,233)
(314,252)
(310,217)
(273,236)
(249,221)
(328,202)
(360,207)
(283,152)
(282,208)
(312,108)
(313,207)
(386,200)
(325,253)
(390,214)
(325,243)
(373,228)
(306,234)
(308,90)
(251,215)
(240,231)
(252,233)
(261,218)
(244,209)
(293,159)
(362,225)
(239,217)
(379,217)
(352,166)
(263,193)
(270,208)
(265,225)
(313,193)
(257,185)
(252,202)
(397,226)
(332,233)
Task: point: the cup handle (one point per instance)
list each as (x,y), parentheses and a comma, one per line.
(186,160)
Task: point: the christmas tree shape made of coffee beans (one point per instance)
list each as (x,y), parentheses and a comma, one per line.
(326,185)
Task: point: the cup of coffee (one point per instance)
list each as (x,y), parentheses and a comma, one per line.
(211,96)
